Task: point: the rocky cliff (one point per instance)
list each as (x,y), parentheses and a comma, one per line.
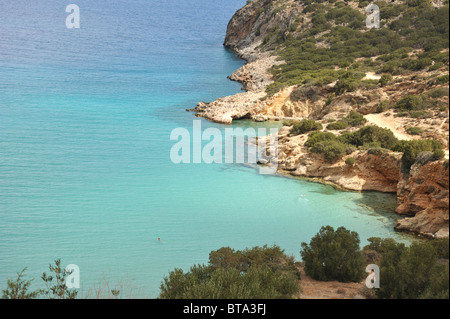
(372,170)
(262,29)
(423,193)
(423,196)
(304,61)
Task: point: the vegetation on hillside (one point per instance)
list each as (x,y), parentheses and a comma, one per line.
(329,42)
(372,137)
(257,273)
(334,255)
(419,271)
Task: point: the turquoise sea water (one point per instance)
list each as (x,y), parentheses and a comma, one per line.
(85,173)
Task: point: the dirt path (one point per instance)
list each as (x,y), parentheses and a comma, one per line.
(313,289)
(390,122)
(395,125)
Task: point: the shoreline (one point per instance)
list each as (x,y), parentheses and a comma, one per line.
(254,105)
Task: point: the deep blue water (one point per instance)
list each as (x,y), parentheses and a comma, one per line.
(85,173)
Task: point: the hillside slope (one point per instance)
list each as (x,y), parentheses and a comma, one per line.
(317,60)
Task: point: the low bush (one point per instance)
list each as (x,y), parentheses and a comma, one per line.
(436,66)
(288,122)
(412,272)
(438,93)
(411,150)
(332,150)
(385,79)
(414,130)
(305,126)
(412,103)
(302,93)
(316,137)
(260,272)
(420,114)
(339,125)
(370,134)
(383,106)
(350,161)
(353,119)
(439,80)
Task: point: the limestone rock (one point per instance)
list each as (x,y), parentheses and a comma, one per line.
(424,196)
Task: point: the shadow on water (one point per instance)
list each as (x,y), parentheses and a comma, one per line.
(381,203)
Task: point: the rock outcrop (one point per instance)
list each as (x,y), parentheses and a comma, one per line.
(372,171)
(423,196)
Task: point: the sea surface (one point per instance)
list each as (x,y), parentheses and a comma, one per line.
(85,170)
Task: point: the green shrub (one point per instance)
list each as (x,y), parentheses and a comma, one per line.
(316,137)
(439,80)
(441,246)
(370,134)
(424,158)
(414,130)
(329,100)
(288,122)
(260,273)
(436,66)
(420,114)
(377,151)
(438,93)
(383,106)
(413,272)
(305,93)
(417,64)
(55,282)
(350,161)
(385,79)
(355,119)
(347,85)
(305,126)
(411,150)
(334,255)
(20,288)
(339,125)
(418,3)
(332,150)
(411,103)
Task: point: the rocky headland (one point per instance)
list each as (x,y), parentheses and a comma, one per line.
(265,33)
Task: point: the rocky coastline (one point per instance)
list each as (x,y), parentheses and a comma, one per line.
(423,194)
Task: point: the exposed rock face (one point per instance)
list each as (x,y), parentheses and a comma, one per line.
(255,76)
(246,31)
(371,172)
(229,108)
(424,196)
(246,35)
(253,22)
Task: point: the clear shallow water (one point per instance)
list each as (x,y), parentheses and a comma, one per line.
(85,172)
